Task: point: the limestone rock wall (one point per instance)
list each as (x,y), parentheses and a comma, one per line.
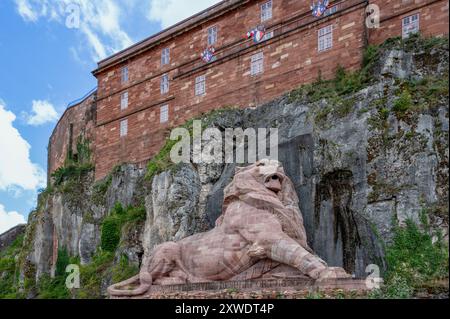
(7,238)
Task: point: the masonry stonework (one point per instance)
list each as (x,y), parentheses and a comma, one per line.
(78,120)
(291,57)
(433,18)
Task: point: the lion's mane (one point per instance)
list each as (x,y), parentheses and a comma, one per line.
(247,186)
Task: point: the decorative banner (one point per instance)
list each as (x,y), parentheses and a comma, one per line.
(319,8)
(208,55)
(257,34)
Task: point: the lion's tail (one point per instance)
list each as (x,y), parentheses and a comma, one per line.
(119,290)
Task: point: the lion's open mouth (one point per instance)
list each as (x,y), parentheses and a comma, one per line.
(273,183)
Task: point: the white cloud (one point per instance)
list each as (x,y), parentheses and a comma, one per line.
(169,12)
(9,219)
(100,21)
(25,11)
(42,112)
(16,168)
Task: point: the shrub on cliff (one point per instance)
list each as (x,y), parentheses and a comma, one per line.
(111,227)
(113,224)
(75,166)
(414,259)
(9,270)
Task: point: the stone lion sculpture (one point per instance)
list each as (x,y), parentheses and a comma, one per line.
(260,232)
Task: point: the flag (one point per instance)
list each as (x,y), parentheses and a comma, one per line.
(208,55)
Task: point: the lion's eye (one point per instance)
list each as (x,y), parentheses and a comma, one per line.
(275,178)
(261,164)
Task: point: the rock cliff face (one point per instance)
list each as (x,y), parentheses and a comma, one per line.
(7,238)
(71,216)
(362,159)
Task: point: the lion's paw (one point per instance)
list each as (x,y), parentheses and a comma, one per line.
(333,273)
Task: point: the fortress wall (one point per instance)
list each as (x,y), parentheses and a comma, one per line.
(433,18)
(76,120)
(291,58)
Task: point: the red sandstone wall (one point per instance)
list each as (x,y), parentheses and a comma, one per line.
(290,59)
(433,18)
(82,117)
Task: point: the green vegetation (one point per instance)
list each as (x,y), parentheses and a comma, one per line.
(101,187)
(336,91)
(402,104)
(52,288)
(75,166)
(55,288)
(62,262)
(103,267)
(100,271)
(113,224)
(414,261)
(70,171)
(124,270)
(9,270)
(424,94)
(93,274)
(344,83)
(162,162)
(315,295)
(418,42)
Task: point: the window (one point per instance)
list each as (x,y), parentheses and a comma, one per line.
(212,35)
(326,38)
(125,74)
(165,84)
(410,25)
(268,36)
(331,10)
(165,56)
(123,128)
(164,117)
(200,85)
(124,101)
(266,11)
(257,66)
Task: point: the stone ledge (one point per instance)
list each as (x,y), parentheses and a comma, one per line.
(258,289)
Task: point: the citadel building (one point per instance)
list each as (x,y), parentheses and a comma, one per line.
(160,82)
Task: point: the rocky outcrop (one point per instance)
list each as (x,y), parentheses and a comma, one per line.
(360,165)
(7,238)
(360,161)
(70,216)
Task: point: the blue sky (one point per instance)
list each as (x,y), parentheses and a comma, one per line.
(48,49)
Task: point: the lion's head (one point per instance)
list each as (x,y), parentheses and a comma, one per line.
(266,186)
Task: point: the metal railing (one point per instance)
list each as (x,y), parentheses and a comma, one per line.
(78,101)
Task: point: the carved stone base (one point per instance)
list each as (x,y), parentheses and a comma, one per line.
(262,289)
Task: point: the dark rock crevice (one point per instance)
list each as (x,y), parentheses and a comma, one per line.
(336,188)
